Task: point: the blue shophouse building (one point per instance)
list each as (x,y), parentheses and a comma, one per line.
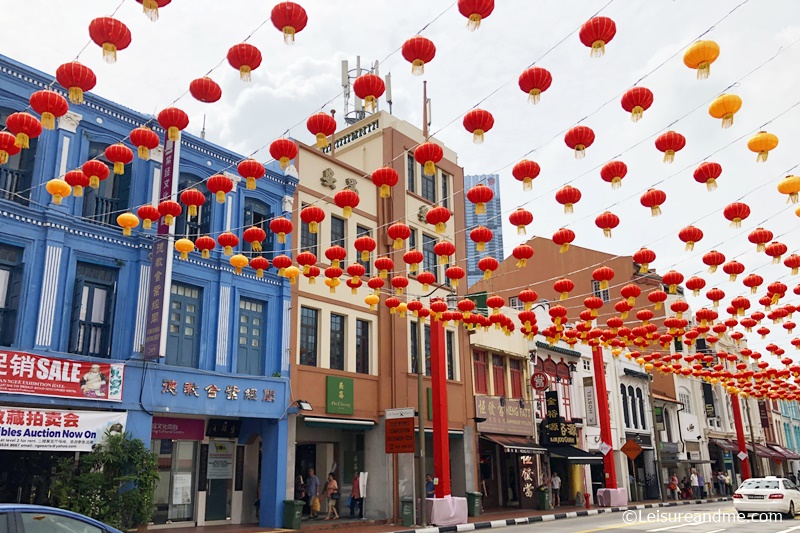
(73,294)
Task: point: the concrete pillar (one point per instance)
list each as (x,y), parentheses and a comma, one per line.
(576,484)
(273,472)
(140,425)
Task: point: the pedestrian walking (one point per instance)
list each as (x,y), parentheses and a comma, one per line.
(356,501)
(555,484)
(695,485)
(673,486)
(312,490)
(332,494)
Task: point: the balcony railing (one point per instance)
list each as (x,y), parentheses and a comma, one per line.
(15,185)
(92,339)
(103,211)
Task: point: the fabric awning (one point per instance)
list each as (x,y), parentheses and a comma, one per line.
(513,443)
(338,423)
(787,454)
(574,455)
(699,462)
(727,445)
(763,451)
(663,398)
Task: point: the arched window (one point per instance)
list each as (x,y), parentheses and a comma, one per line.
(625,414)
(632,398)
(667,423)
(639,397)
(686,399)
(102,205)
(194,227)
(257,213)
(16,176)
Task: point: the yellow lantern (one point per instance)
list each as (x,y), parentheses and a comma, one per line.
(648,367)
(332,283)
(372,301)
(402,308)
(790,185)
(58,189)
(699,56)
(238,262)
(292,273)
(184,246)
(128,221)
(762,143)
(724,107)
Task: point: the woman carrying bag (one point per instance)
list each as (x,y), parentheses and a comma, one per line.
(332,492)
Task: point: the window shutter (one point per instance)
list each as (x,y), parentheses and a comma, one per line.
(76,314)
(122,184)
(13,297)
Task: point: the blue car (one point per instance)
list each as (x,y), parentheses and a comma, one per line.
(18,518)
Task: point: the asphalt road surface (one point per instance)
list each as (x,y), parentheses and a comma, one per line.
(708,518)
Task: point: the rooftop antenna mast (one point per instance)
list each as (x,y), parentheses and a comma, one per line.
(203,131)
(348,76)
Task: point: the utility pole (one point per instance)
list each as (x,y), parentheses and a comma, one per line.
(657,444)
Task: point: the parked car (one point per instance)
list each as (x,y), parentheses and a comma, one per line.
(18,518)
(767,495)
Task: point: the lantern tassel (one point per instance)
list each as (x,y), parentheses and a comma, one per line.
(151,9)
(477,136)
(474,22)
(603,284)
(109,53)
(228,250)
(429,169)
(418,67)
(398,243)
(144,153)
(147,224)
(322,141)
(288,35)
(77,190)
(3,157)
(487,274)
(598,49)
(220,197)
(727,120)
(607,232)
(411,268)
(313,227)
(119,167)
(480,208)
(522,263)
(762,157)
(250,183)
(732,277)
(480,247)
(255,246)
(658,306)
(564,248)
(173,133)
(795,270)
(369,102)
(636,113)
(563,296)
(655,210)
(696,292)
(689,246)
(244,73)
(425,287)
(440,227)
(281,238)
(736,223)
(76,95)
(568,209)
(284,161)
(312,280)
(168,220)
(22,141)
(353,290)
(580,151)
(444,259)
(527,184)
(192,210)
(347,212)
(335,263)
(534,96)
(711,184)
(712,269)
(57,199)
(260,273)
(48,120)
(364,256)
(386,191)
(616,183)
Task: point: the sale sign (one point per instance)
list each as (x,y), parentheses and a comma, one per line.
(39,375)
(47,429)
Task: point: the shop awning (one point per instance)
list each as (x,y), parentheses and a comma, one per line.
(338,423)
(663,398)
(574,455)
(690,461)
(727,445)
(763,451)
(513,443)
(787,454)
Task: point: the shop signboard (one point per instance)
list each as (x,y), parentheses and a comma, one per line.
(527,474)
(557,433)
(39,375)
(171,428)
(220,459)
(513,418)
(591,405)
(56,430)
(339,395)
(182,489)
(399,435)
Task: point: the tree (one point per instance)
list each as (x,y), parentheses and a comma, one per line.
(114,483)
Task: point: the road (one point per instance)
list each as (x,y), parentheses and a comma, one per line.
(707,518)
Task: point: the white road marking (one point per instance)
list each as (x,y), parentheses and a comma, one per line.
(795,528)
(672,527)
(715,531)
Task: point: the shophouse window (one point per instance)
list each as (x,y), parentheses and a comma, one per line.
(103,204)
(410,173)
(632,400)
(193,227)
(309,242)
(427,349)
(686,399)
(362,346)
(16,176)
(338,232)
(514,303)
(430,261)
(11,270)
(412,239)
(413,341)
(183,337)
(600,293)
(250,358)
(479,369)
(640,401)
(428,187)
(337,341)
(499,375)
(259,214)
(92,310)
(309,333)
(625,413)
(445,190)
(515,371)
(451,363)
(362,231)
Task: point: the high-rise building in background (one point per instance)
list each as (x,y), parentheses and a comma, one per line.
(493,219)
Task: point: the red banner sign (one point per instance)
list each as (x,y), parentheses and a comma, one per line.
(39,375)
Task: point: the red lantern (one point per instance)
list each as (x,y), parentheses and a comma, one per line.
(793,262)
(384,265)
(364,245)
(526,171)
(657,297)
(192,198)
(8,147)
(613,172)
(281,227)
(454,273)
(336,255)
(488,265)
(775,250)
(313,216)
(715,295)
(760,237)
(376,284)
(695,284)
(283,150)
(418,50)
(534,81)
(672,279)
(636,101)
(282,262)
(169,209)
(205,244)
(398,233)
(753,282)
(111,35)
(205,90)
(173,120)
(259,264)
(653,198)
(563,286)
(77,180)
(480,195)
(290,18)
(77,79)
(630,292)
(478,122)
(399,283)
(228,241)
(690,235)
(120,155)
(607,221)
(568,196)
(603,275)
(713,259)
(708,173)
(144,139)
(428,154)
(579,138)
(480,236)
(736,212)
(413,258)
(245,58)
(670,143)
(50,105)
(369,87)
(148,214)
(251,170)
(520,218)
(426,278)
(438,216)
(444,250)
(151,7)
(593,303)
(347,200)
(522,254)
(733,269)
(385,178)
(24,127)
(563,238)
(255,236)
(322,126)
(596,33)
(219,185)
(475,11)
(644,257)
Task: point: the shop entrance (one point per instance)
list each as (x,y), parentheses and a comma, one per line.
(26,475)
(219,494)
(175,492)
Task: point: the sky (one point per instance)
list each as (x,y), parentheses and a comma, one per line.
(758,61)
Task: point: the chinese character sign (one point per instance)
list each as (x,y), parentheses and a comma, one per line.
(45,429)
(339,395)
(25,373)
(513,419)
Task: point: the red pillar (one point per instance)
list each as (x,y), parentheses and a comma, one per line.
(441,438)
(605,415)
(737,420)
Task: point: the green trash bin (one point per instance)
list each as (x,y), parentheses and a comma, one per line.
(292,513)
(543,500)
(407,511)
(474,503)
